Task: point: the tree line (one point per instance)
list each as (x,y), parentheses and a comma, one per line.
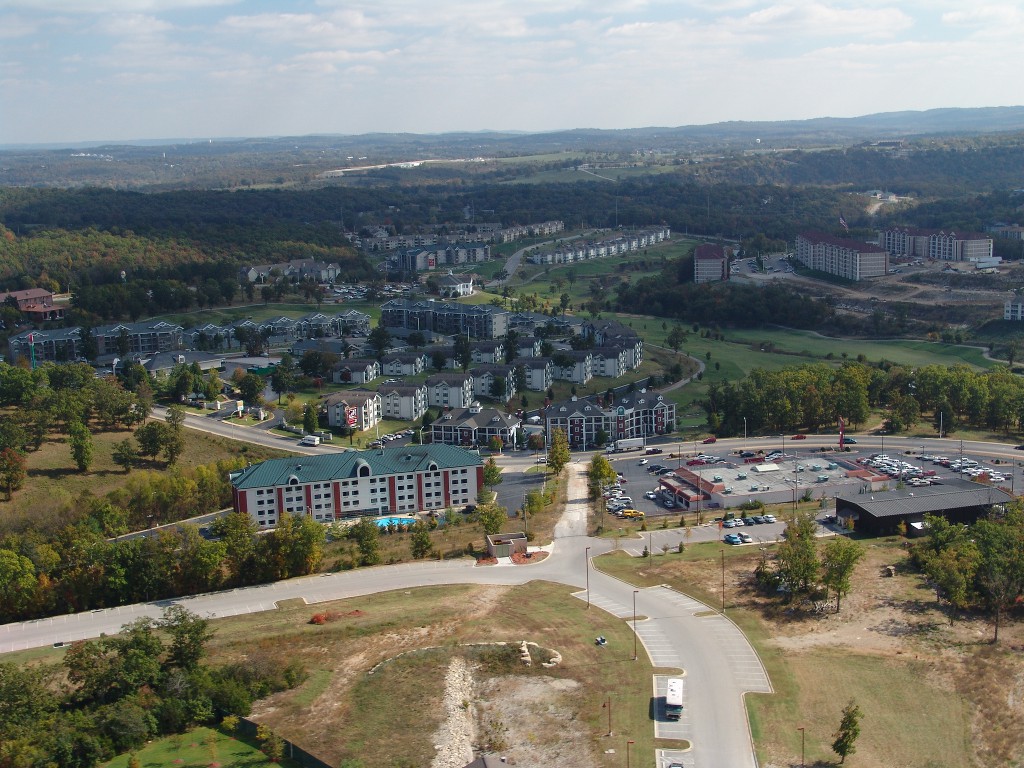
(112,695)
(814,396)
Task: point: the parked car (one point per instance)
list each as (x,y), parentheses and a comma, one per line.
(746,537)
(633,513)
(732,538)
(651,495)
(769,518)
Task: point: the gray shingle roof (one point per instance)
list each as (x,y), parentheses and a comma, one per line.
(954,493)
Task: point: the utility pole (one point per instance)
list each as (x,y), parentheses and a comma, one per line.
(722,552)
(635,591)
(587,564)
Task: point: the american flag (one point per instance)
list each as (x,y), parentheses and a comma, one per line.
(843,224)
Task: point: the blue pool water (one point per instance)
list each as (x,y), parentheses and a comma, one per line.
(384,522)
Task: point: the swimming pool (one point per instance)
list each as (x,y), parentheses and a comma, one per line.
(384,522)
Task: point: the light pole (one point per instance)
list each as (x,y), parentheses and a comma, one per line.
(744,433)
(608,705)
(587,565)
(627,752)
(635,591)
(801,729)
(723,579)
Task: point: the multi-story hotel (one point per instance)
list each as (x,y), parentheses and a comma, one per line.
(332,486)
(935,244)
(644,414)
(850,259)
(710,263)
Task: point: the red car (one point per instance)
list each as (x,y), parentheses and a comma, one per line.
(709,440)
(798,437)
(696,463)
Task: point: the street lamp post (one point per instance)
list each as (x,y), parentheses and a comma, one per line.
(635,591)
(801,729)
(744,433)
(587,553)
(627,752)
(723,580)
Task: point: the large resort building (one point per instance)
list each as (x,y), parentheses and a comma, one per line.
(850,259)
(333,486)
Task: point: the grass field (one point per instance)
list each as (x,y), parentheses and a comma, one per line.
(199,748)
(54,481)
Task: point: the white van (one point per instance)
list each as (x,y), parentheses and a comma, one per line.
(310,440)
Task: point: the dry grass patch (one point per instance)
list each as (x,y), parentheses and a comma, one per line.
(932,694)
(540,716)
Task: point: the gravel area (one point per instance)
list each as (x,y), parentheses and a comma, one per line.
(454,739)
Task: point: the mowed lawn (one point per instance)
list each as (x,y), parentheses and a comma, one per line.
(199,748)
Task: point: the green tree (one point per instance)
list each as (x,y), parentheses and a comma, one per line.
(251,388)
(420,542)
(282,378)
(600,473)
(150,437)
(462,352)
(492,518)
(13,470)
(796,558)
(366,534)
(80,440)
(310,419)
(17,584)
(952,570)
(379,341)
(189,635)
(558,453)
(838,559)
(174,435)
(438,359)
(495,444)
(125,454)
(845,743)
(238,532)
(492,473)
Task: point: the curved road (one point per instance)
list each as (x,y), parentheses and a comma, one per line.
(677,633)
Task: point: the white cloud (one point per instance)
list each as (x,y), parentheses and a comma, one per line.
(16,26)
(98,7)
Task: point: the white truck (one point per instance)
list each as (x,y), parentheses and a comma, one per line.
(674,698)
(310,440)
(629,444)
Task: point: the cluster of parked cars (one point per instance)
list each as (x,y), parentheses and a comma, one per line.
(968,467)
(618,503)
(393,436)
(739,522)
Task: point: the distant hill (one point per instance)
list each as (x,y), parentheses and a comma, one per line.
(237,162)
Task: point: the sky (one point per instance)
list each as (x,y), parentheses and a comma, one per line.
(121,70)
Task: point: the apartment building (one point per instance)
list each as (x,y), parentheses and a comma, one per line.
(449,390)
(403,401)
(335,486)
(475,426)
(356,409)
(643,414)
(478,321)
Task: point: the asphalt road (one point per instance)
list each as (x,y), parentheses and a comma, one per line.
(677,632)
